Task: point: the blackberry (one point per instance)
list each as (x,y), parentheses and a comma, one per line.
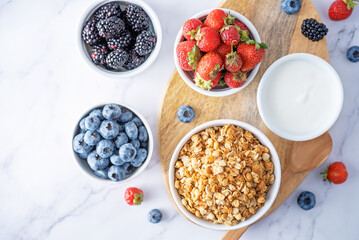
(137,18)
(90,33)
(134,60)
(145,42)
(122,42)
(110,27)
(98,54)
(314,30)
(117,58)
(107,10)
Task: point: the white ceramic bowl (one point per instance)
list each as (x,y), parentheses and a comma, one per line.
(325,125)
(82,163)
(188,78)
(155,27)
(271,195)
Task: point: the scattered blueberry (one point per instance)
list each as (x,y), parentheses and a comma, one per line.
(82,125)
(126,115)
(306,200)
(127,152)
(142,134)
(144,144)
(102,173)
(291,6)
(140,157)
(84,155)
(116,173)
(96,162)
(128,168)
(97,113)
(131,130)
(116,160)
(109,129)
(92,137)
(79,145)
(353,54)
(92,123)
(137,121)
(154,216)
(121,139)
(136,144)
(111,111)
(185,114)
(105,148)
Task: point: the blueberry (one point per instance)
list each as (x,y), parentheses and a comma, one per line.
(144,145)
(154,216)
(306,200)
(121,139)
(96,162)
(142,134)
(105,148)
(111,111)
(79,145)
(82,125)
(131,130)
(353,54)
(137,121)
(128,168)
(116,173)
(126,115)
(97,113)
(102,173)
(185,114)
(121,127)
(92,137)
(127,152)
(109,129)
(116,160)
(291,6)
(84,155)
(140,157)
(92,123)
(136,144)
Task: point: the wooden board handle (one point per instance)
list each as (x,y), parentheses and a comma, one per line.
(235,234)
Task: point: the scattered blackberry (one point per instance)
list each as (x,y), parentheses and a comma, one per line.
(134,60)
(90,34)
(122,42)
(107,10)
(117,58)
(145,42)
(314,30)
(137,18)
(99,53)
(110,27)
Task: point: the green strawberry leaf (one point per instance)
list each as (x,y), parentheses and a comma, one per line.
(221,82)
(263,45)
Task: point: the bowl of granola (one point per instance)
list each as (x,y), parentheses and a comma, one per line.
(224,175)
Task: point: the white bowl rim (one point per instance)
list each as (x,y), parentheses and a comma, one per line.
(271,195)
(130,73)
(315,60)
(228,91)
(89,172)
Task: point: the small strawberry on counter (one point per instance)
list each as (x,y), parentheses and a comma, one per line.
(335,173)
(341,9)
(133,196)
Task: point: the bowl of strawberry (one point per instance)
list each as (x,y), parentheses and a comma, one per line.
(218,52)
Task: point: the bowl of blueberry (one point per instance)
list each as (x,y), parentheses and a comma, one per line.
(120,38)
(112,142)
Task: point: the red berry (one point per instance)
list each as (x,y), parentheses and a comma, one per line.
(340,9)
(208,39)
(206,84)
(233,62)
(241,25)
(188,55)
(251,54)
(234,80)
(230,35)
(223,50)
(216,19)
(133,196)
(209,66)
(190,28)
(336,173)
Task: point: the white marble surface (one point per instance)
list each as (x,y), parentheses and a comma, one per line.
(45,86)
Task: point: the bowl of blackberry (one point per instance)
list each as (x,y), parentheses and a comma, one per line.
(112,142)
(120,38)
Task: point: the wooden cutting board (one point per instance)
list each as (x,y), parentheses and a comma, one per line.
(282,34)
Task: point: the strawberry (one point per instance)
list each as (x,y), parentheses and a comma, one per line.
(204,84)
(209,66)
(251,53)
(235,80)
(133,196)
(233,62)
(341,9)
(188,55)
(230,35)
(223,50)
(190,28)
(241,25)
(208,39)
(216,19)
(335,173)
